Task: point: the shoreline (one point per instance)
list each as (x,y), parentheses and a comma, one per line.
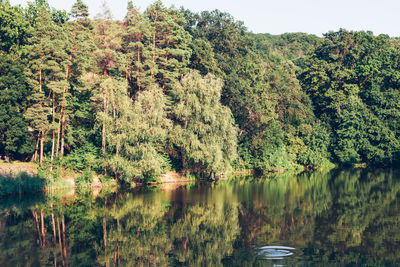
(23,173)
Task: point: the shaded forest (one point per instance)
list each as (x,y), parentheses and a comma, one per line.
(197,93)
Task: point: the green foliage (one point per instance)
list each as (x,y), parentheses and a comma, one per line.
(170,50)
(204,131)
(82,158)
(136,135)
(292,46)
(350,77)
(79,11)
(86,179)
(316,139)
(14,28)
(15,140)
(203,58)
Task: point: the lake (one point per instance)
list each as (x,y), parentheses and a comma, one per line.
(326,217)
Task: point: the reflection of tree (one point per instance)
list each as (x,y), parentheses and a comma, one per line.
(365,212)
(17,237)
(283,208)
(382,237)
(205,234)
(345,217)
(152,232)
(137,233)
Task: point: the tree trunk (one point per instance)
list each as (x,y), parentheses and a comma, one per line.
(58,135)
(103,134)
(54,131)
(34,158)
(59,242)
(43,232)
(154,55)
(103,138)
(113,105)
(184,164)
(41,146)
(54,236)
(37,226)
(138,70)
(166,59)
(115,253)
(41,105)
(64,100)
(119,232)
(62,129)
(64,240)
(105,231)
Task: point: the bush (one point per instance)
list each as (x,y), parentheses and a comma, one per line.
(86,179)
(81,158)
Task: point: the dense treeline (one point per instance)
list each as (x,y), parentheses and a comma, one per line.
(197,93)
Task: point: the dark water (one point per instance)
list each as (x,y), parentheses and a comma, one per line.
(324,218)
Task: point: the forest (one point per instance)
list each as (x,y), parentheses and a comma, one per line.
(167,89)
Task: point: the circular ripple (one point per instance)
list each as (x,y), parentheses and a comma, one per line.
(275,252)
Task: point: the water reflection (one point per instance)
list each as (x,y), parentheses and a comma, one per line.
(338,217)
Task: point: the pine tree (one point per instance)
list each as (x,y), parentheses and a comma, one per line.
(76,116)
(79,11)
(48,61)
(108,40)
(108,44)
(170,52)
(136,45)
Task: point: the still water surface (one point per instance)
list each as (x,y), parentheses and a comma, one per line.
(337,217)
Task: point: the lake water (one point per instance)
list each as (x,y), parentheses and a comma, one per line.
(337,217)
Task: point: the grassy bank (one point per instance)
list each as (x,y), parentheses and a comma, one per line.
(22,177)
(27,177)
(21,183)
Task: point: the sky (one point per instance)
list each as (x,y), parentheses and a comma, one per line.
(278,16)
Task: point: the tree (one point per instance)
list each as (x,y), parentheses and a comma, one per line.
(79,11)
(204,131)
(170,52)
(203,58)
(137,132)
(137,45)
(108,40)
(77,120)
(15,139)
(14,28)
(108,43)
(48,61)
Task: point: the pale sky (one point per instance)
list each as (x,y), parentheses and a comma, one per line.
(279,16)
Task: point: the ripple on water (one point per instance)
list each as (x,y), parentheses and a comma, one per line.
(274,252)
